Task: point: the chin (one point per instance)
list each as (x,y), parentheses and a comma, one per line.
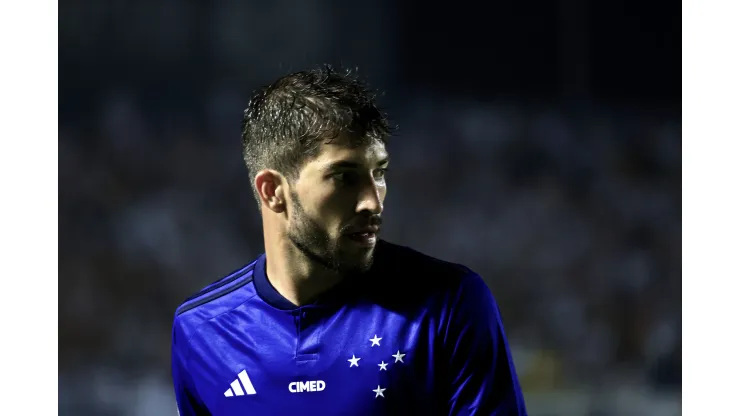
(357,262)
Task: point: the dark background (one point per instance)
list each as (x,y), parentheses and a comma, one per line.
(539,144)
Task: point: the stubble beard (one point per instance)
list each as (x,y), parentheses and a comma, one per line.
(316,244)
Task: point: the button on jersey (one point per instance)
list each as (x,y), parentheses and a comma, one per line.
(412,336)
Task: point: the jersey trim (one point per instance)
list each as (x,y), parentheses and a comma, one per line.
(212,290)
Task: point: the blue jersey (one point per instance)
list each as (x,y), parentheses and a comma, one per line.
(414,335)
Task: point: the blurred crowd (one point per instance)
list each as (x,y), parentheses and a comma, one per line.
(573,217)
(570,208)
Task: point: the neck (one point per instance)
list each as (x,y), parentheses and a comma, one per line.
(296,277)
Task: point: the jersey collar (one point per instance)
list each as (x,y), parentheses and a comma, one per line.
(343,292)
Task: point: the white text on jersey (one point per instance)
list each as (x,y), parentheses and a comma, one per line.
(303,386)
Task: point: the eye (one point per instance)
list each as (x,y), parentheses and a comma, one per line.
(380,173)
(345,178)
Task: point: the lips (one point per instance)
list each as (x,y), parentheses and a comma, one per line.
(363,230)
(365,237)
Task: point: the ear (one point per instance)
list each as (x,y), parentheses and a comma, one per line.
(271,188)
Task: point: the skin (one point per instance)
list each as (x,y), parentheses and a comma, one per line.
(305,223)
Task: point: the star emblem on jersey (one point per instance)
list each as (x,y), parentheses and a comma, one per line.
(375,340)
(375,357)
(353,361)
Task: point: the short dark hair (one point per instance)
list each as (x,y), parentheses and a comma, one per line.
(286,121)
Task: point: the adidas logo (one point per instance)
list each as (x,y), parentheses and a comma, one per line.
(236,387)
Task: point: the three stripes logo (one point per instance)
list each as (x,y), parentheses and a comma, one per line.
(236,387)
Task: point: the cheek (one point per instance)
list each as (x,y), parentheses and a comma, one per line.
(339,212)
(329,211)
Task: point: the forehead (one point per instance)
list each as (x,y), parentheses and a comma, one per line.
(369,153)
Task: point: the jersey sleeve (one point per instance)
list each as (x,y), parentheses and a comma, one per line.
(186,396)
(481,378)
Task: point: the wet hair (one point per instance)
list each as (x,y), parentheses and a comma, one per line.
(286,122)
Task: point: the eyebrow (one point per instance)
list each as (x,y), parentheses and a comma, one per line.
(346,164)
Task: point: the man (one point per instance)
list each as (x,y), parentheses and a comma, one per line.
(331,320)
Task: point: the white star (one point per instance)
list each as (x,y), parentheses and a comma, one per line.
(379,392)
(375,341)
(383,366)
(353,361)
(398,356)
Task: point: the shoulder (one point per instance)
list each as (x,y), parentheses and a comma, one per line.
(396,255)
(214,299)
(458,295)
(413,271)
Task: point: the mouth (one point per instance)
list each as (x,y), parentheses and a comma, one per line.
(364,238)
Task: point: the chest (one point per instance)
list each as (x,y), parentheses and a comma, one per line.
(361,360)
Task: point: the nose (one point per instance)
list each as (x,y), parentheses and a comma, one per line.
(370,200)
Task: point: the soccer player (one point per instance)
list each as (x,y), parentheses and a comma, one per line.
(331,320)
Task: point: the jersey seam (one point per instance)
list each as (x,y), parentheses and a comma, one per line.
(198,327)
(244,272)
